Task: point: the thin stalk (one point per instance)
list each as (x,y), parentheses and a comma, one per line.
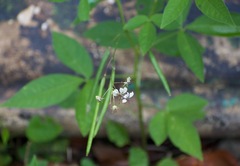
(27,152)
(137,75)
(120,8)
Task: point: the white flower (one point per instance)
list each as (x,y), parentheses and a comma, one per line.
(114,107)
(98,98)
(127,81)
(115,92)
(124,101)
(126,96)
(123,90)
(131,94)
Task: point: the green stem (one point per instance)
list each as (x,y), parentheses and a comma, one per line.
(27,152)
(120,8)
(137,75)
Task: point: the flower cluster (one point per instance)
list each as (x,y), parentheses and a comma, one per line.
(122,93)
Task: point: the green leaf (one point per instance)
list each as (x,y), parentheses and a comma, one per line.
(70,102)
(167,162)
(42,129)
(156,19)
(205,25)
(83,10)
(146,37)
(158,127)
(117,133)
(215,9)
(160,73)
(191,52)
(166,43)
(84,110)
(173,10)
(135,22)
(72,54)
(176,24)
(181,106)
(5,134)
(44,91)
(110,33)
(184,136)
(34,161)
(137,157)
(87,162)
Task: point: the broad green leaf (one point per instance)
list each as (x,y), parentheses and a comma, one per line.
(84,110)
(117,133)
(181,106)
(72,54)
(135,22)
(110,33)
(87,162)
(191,52)
(83,10)
(166,43)
(160,73)
(184,136)
(42,129)
(158,128)
(5,134)
(146,37)
(148,8)
(205,25)
(156,19)
(167,162)
(137,157)
(33,161)
(70,102)
(173,10)
(215,9)
(176,24)
(36,162)
(44,91)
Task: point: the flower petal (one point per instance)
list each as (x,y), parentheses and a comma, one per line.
(115,93)
(128,79)
(126,96)
(131,94)
(123,90)
(124,101)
